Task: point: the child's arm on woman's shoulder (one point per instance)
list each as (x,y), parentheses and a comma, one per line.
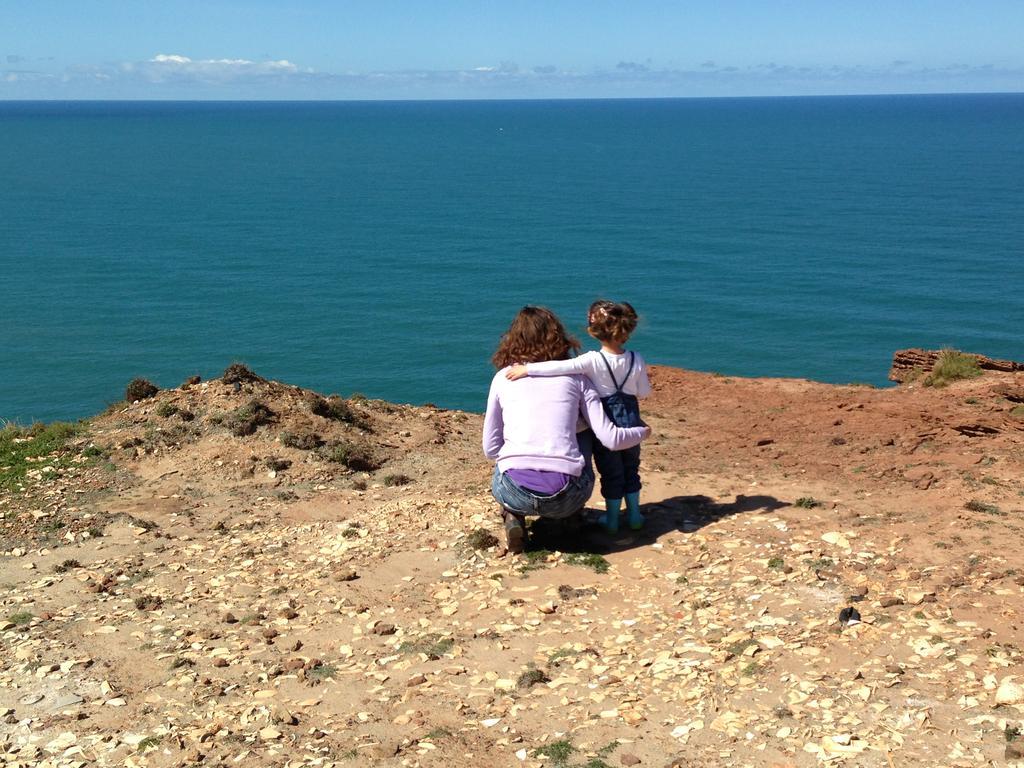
(582,364)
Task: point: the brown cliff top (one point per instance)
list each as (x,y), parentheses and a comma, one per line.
(312,592)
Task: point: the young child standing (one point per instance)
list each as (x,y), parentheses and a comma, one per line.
(620,377)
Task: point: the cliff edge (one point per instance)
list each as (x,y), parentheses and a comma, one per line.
(241,572)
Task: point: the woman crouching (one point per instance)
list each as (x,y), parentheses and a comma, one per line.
(531,427)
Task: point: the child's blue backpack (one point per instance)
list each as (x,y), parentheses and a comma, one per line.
(623,410)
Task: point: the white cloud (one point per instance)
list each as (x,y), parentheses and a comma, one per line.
(175,75)
(173,65)
(163,58)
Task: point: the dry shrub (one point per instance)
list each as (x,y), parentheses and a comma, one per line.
(140,389)
(336,409)
(355,457)
(237,373)
(304,441)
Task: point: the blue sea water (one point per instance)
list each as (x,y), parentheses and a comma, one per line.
(384,247)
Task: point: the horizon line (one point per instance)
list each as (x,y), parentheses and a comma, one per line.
(132,100)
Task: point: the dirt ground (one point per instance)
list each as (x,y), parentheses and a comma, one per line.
(326,589)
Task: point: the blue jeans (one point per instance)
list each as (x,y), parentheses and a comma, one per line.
(523,501)
(620,470)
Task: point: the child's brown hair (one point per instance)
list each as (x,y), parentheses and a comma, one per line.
(535,336)
(611,321)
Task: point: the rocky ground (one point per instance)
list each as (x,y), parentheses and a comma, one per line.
(241,573)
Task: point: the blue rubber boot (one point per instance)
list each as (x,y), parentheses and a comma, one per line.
(610,519)
(636,520)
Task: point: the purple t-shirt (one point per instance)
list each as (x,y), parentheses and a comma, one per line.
(538,480)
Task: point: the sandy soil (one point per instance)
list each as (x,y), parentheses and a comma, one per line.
(191,597)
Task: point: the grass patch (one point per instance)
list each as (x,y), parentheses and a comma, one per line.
(534,560)
(322,672)
(23,448)
(561,654)
(952,365)
(391,481)
(979,506)
(776,563)
(20,618)
(150,742)
(431,646)
(807,502)
(558,752)
(596,563)
(435,734)
(245,419)
(532,677)
(166,410)
(820,563)
(481,538)
(737,648)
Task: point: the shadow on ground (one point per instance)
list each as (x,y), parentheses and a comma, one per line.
(677,513)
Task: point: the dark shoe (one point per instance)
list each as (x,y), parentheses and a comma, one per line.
(515,533)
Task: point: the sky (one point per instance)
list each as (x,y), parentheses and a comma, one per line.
(452,49)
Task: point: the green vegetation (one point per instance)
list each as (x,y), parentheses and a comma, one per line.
(558,752)
(355,457)
(431,646)
(737,648)
(807,502)
(166,410)
(244,420)
(481,538)
(531,677)
(596,563)
(562,653)
(66,566)
(24,448)
(322,672)
(535,559)
(438,733)
(819,563)
(306,441)
(390,481)
(21,618)
(150,742)
(776,563)
(979,506)
(336,409)
(952,365)
(1017,411)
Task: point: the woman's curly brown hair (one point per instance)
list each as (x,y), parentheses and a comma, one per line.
(536,335)
(611,321)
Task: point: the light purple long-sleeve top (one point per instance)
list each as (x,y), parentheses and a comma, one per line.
(531,423)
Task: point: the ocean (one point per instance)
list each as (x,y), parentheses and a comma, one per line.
(383,247)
